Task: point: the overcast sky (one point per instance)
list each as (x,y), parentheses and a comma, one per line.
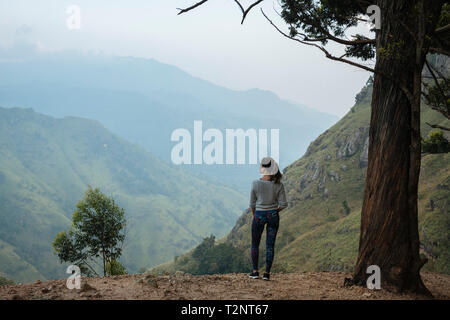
(208,42)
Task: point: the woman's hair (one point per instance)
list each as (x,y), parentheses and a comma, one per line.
(276,178)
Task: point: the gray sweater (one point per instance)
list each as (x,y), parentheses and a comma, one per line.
(267,195)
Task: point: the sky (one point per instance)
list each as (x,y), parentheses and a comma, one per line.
(209,43)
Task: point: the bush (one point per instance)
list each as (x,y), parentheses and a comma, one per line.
(435,143)
(345,207)
(222,258)
(4,281)
(115,268)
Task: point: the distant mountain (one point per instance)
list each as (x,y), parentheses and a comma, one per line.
(46,164)
(144,101)
(320,229)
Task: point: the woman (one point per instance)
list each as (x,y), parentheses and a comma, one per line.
(267,199)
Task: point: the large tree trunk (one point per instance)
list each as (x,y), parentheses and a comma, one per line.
(389,219)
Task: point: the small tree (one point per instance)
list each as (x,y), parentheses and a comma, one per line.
(436,143)
(115,268)
(97,231)
(5,281)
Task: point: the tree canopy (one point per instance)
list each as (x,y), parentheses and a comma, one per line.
(97,232)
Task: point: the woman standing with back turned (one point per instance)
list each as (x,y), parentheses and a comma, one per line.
(267,199)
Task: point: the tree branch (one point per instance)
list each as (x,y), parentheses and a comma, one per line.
(191,7)
(436,126)
(440,50)
(332,57)
(434,78)
(326,52)
(244,11)
(442,29)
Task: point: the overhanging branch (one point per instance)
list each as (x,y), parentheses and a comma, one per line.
(436,126)
(405,90)
(308,42)
(191,7)
(241,7)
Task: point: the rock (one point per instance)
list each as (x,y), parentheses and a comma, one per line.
(367,295)
(317,170)
(86,287)
(349,145)
(344,167)
(364,157)
(334,176)
(45,290)
(151,280)
(308,196)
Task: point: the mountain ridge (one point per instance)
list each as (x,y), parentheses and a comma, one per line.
(46,166)
(144,101)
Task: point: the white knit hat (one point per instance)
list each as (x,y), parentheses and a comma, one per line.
(268,166)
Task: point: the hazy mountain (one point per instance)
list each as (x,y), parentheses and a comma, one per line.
(144,101)
(320,229)
(46,164)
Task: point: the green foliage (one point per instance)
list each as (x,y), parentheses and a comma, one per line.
(210,258)
(345,207)
(393,50)
(4,281)
(45,168)
(97,232)
(203,247)
(222,258)
(115,268)
(365,91)
(142,270)
(322,19)
(437,94)
(435,143)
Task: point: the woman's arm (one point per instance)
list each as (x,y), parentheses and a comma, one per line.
(253,198)
(282,203)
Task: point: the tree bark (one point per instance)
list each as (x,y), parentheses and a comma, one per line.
(389,219)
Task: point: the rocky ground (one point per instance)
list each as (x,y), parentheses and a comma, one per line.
(292,286)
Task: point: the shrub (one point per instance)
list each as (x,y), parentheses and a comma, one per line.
(435,143)
(115,268)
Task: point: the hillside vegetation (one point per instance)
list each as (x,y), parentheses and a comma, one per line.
(320,229)
(47,164)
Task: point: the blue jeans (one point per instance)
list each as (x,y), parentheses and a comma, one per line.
(260,219)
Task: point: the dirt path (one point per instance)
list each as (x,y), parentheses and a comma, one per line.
(291,286)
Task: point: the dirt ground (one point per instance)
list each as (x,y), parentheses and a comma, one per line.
(291,286)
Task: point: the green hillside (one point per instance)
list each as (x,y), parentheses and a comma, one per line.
(46,164)
(320,229)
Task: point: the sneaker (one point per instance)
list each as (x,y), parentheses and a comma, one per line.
(254,275)
(266,276)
